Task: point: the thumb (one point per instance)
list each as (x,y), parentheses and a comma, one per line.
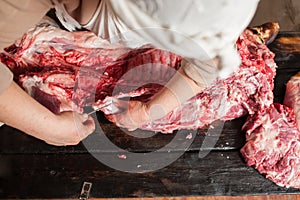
(83,117)
(87,127)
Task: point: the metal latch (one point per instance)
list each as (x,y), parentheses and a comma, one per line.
(85,191)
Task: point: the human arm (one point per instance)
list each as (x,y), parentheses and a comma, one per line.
(19,110)
(179,89)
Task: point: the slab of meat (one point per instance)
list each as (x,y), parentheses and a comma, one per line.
(292,96)
(273,145)
(67,71)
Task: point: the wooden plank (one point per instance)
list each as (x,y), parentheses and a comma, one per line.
(61,176)
(261,197)
(227,137)
(287,50)
(248,197)
(282,77)
(286,46)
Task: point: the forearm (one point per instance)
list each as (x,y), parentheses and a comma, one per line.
(19,110)
(178,90)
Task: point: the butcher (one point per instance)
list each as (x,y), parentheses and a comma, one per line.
(203,32)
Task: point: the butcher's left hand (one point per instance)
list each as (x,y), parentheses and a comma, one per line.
(134,116)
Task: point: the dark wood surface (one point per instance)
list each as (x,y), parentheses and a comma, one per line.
(29,168)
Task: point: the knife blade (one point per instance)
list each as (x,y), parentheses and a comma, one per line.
(113,104)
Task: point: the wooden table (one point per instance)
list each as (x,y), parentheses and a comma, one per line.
(261,197)
(29,168)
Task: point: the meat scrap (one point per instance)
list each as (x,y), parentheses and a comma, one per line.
(292,96)
(273,145)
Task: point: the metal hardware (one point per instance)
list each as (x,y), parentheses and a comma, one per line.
(85,191)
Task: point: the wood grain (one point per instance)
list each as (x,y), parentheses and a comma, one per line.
(62,176)
(270,197)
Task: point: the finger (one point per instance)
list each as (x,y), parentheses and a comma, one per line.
(111,118)
(126,123)
(122,121)
(132,129)
(88,120)
(118,106)
(54,143)
(121,104)
(83,117)
(85,125)
(89,127)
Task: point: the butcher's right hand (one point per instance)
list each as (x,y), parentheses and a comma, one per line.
(69,128)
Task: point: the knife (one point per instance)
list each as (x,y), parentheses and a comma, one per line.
(112,102)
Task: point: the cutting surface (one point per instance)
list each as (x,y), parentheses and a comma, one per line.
(29,168)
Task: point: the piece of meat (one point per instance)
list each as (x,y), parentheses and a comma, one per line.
(70,70)
(292,96)
(273,145)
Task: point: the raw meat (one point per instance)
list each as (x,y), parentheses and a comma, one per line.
(67,71)
(292,96)
(76,69)
(272,139)
(273,145)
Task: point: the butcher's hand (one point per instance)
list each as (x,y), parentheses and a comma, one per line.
(69,129)
(19,110)
(135,115)
(179,89)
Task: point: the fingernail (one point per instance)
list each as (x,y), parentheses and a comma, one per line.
(132,129)
(85,116)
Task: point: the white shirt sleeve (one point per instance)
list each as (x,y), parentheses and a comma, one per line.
(199,30)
